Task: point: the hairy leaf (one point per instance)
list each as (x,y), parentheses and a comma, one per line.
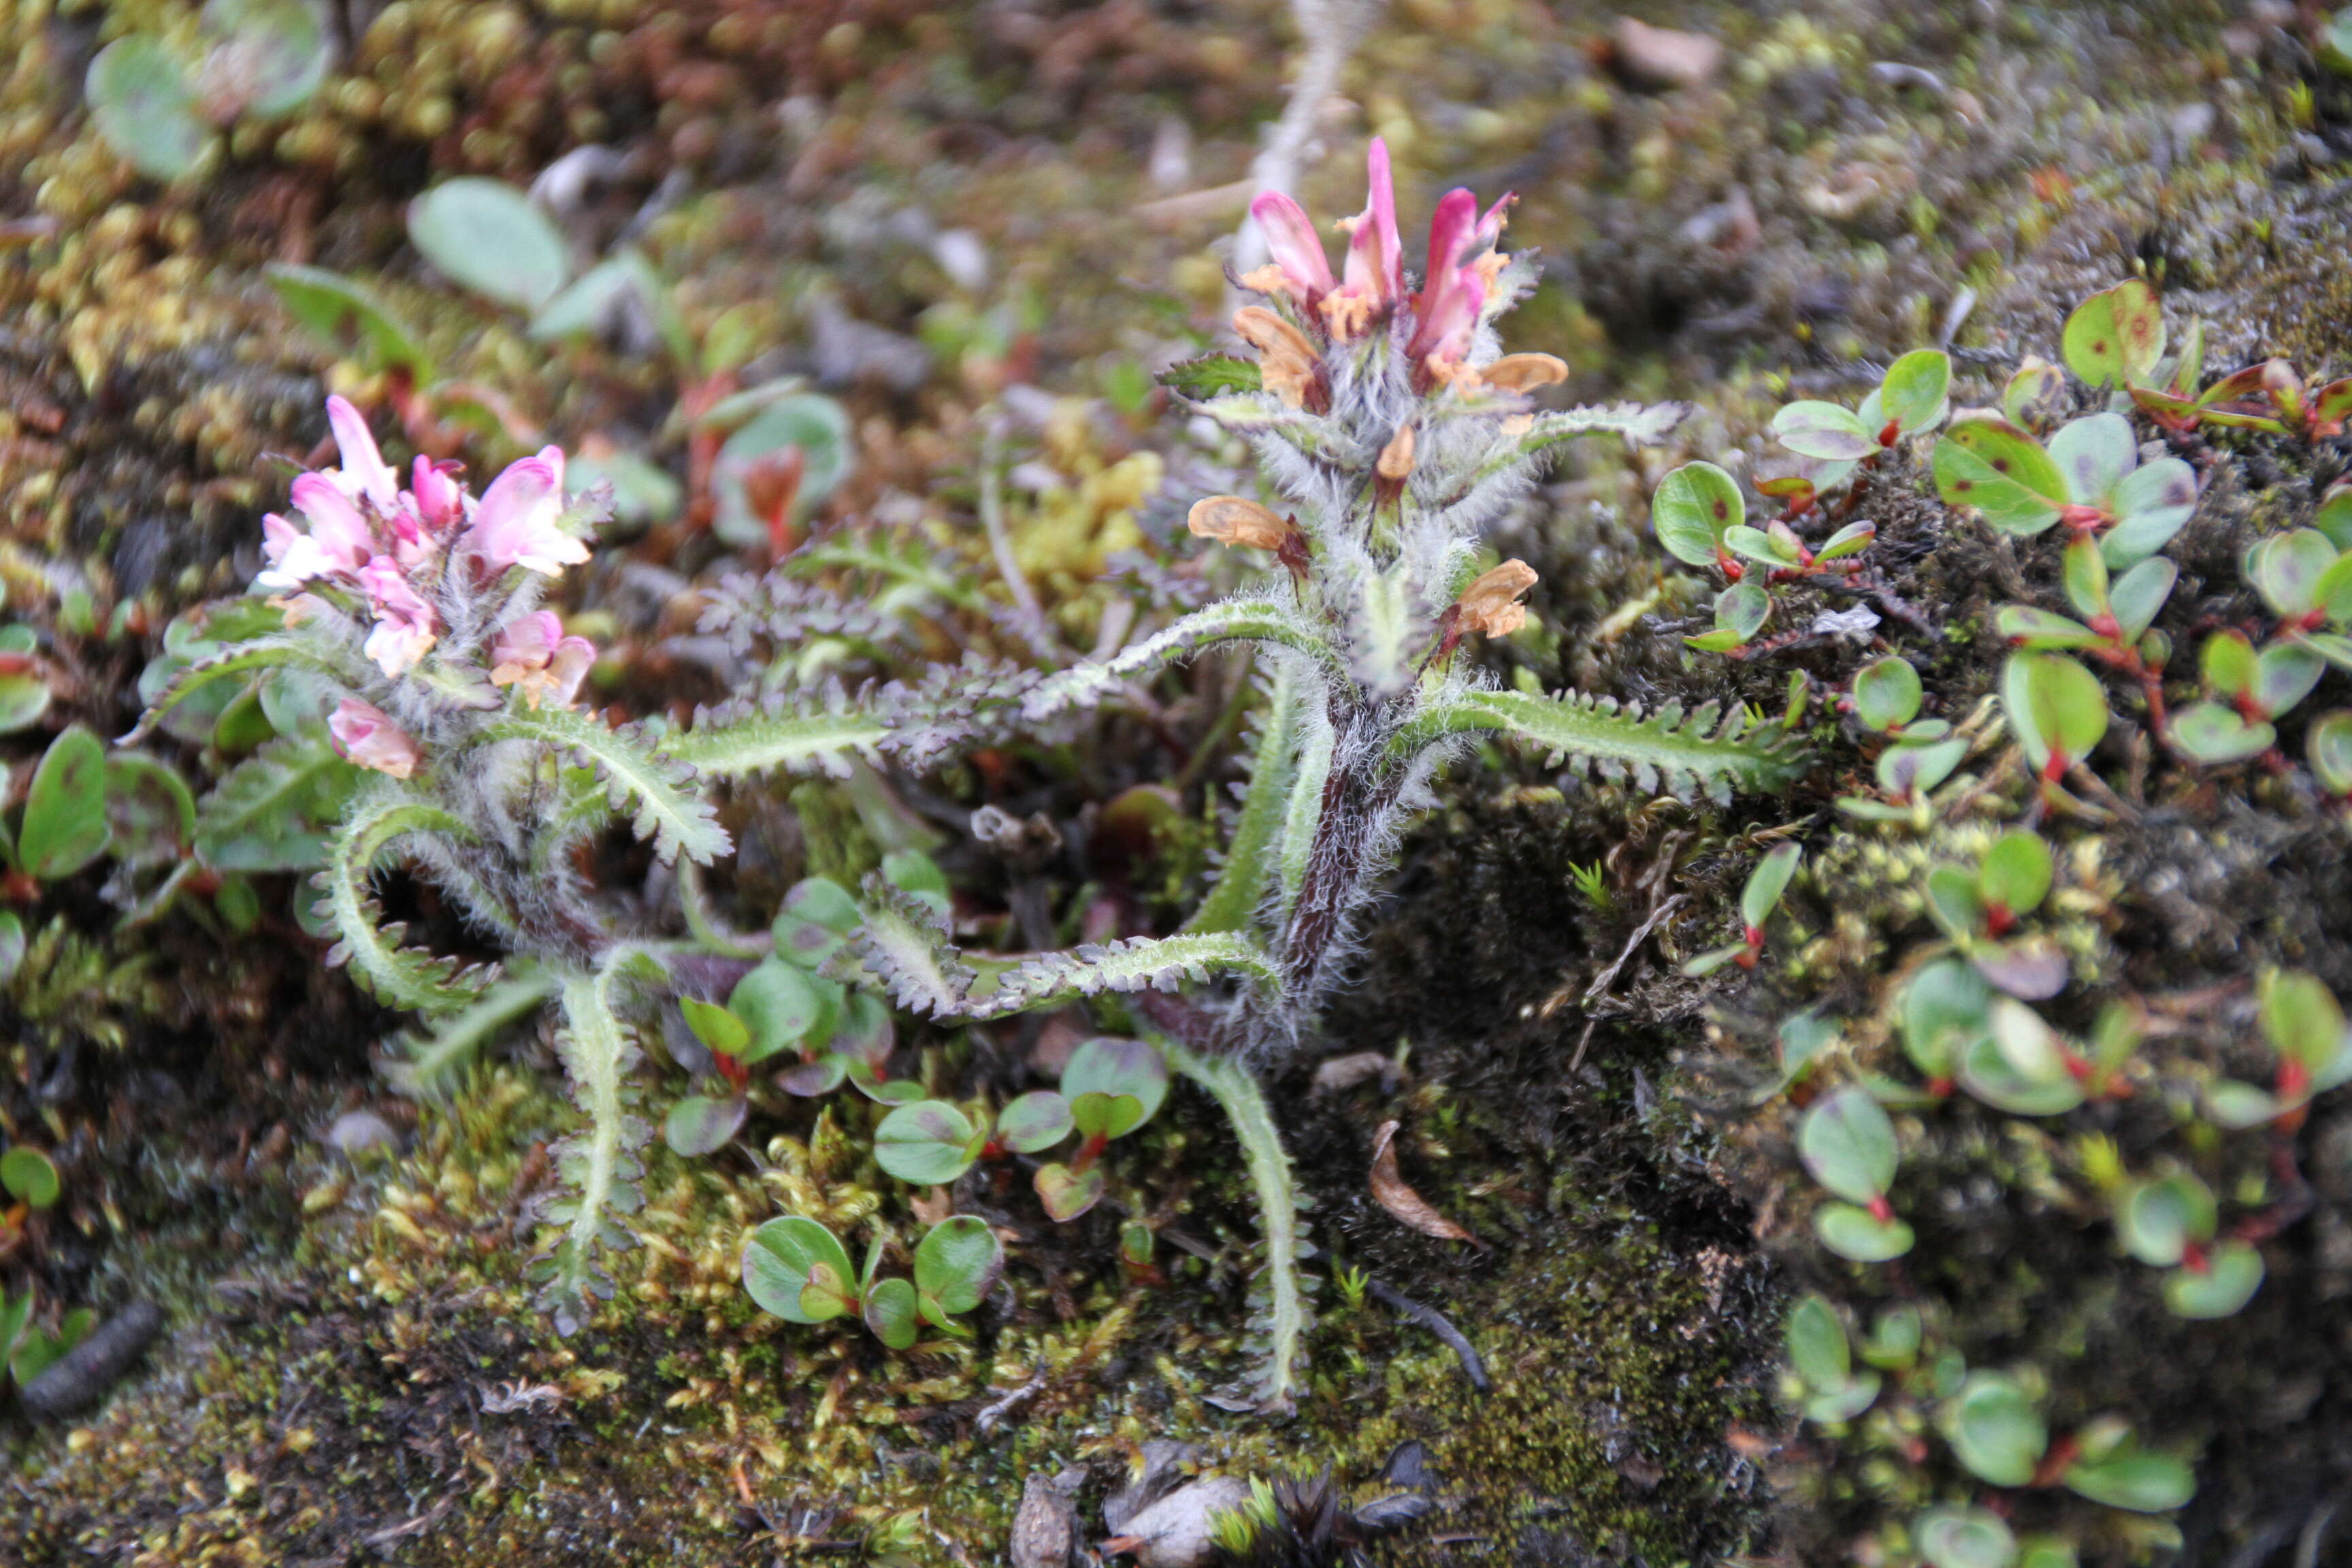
(1685,754)
(636,778)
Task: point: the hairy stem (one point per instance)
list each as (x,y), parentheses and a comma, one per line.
(1237,1092)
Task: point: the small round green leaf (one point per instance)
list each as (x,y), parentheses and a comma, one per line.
(797,1270)
(1886,694)
(2116,337)
(702,1124)
(486,235)
(348,315)
(958,1262)
(65,811)
(2002,472)
(2210,733)
(715,1027)
(1120,1069)
(2015,875)
(778,1005)
(1858,1235)
(1066,1194)
(929,1142)
(1817,1342)
(1693,507)
(1965,1538)
(2232,1273)
(30,1177)
(144,106)
(1916,391)
(2053,706)
(1995,1430)
(1944,1012)
(818,916)
(1848,1144)
(1824,430)
(814,425)
(890,1312)
(1038,1120)
(2138,1482)
(2094,453)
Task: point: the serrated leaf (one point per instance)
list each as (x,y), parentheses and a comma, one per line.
(1685,754)
(274,810)
(1211,376)
(400,976)
(648,783)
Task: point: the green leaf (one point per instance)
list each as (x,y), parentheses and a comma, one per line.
(2031,393)
(2157,1220)
(2233,1272)
(1916,393)
(1893,1342)
(23,698)
(2094,453)
(1905,771)
(1211,376)
(778,1005)
(1995,1430)
(1036,1121)
(699,1124)
(418,1067)
(270,57)
(1856,1234)
(1945,1011)
(2328,748)
(914,872)
(1817,1343)
(2210,733)
(1741,610)
(1955,904)
(1848,1144)
(1692,508)
(929,1143)
(2286,569)
(1252,851)
(29,1176)
(274,810)
(1066,1194)
(2055,707)
(2302,1019)
(715,1027)
(819,915)
(2151,504)
(2283,676)
(2334,515)
(2042,630)
(1965,1538)
(1120,1069)
(2116,337)
(2140,593)
(1765,885)
(2133,1481)
(1886,694)
(1824,430)
(2085,575)
(349,316)
(150,815)
(142,103)
(797,1270)
(1987,1073)
(486,235)
(588,301)
(1099,1115)
(891,1310)
(664,810)
(65,811)
(2002,472)
(957,1263)
(1851,540)
(2015,875)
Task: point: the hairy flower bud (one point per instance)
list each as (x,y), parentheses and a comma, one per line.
(1287,362)
(1491,605)
(1231,520)
(366,734)
(1523,372)
(404,621)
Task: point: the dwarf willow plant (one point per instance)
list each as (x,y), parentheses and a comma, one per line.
(1390,431)
(418,609)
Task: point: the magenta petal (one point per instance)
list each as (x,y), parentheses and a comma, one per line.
(1375,253)
(1449,231)
(334,520)
(1291,240)
(362,461)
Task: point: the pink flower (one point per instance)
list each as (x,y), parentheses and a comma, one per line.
(1299,267)
(294,557)
(364,472)
(533,654)
(366,734)
(404,622)
(1375,278)
(1462,264)
(516,523)
(440,499)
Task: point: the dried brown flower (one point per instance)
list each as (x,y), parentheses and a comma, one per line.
(1491,605)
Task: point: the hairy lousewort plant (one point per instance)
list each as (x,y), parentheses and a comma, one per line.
(1390,431)
(417,610)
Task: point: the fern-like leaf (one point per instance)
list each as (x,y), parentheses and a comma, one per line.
(599,1165)
(1233,620)
(270,812)
(652,786)
(261,653)
(905,944)
(396,976)
(806,733)
(1686,754)
(419,1066)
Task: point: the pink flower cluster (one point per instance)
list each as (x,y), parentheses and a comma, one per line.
(369,535)
(1463,265)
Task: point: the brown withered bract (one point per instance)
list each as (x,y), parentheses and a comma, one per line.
(1395,463)
(1287,362)
(1233,519)
(1523,372)
(1491,605)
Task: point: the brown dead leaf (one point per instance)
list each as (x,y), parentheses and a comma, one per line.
(1390,1190)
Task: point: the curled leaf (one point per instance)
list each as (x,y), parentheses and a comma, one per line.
(1392,1193)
